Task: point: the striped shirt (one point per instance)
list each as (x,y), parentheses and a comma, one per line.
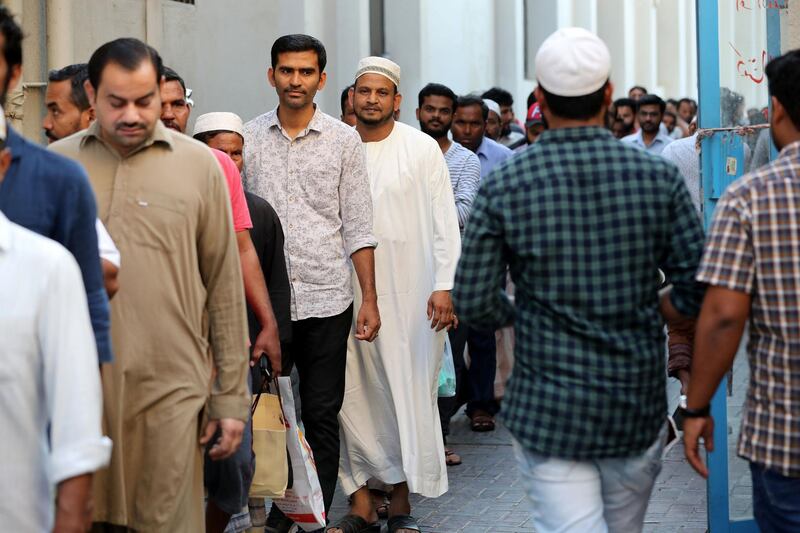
(754,247)
(465,177)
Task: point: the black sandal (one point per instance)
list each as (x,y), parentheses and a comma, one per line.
(402,521)
(355,524)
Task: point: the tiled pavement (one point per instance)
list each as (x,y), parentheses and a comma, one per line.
(486,494)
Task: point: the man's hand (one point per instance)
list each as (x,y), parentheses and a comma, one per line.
(368,321)
(268,343)
(74,505)
(440,310)
(228,442)
(693,429)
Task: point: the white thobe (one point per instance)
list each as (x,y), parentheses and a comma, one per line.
(390,428)
(50,399)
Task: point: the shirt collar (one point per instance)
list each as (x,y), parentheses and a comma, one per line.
(315,124)
(161,135)
(485,147)
(5,233)
(791,150)
(582,133)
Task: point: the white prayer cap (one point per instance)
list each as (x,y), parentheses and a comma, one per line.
(492,105)
(572,62)
(379,65)
(219,121)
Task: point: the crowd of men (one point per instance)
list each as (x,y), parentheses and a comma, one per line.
(354,250)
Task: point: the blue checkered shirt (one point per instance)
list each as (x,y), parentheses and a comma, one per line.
(584,222)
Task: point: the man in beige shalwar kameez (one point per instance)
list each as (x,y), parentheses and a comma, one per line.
(180,310)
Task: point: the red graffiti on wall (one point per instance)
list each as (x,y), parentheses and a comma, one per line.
(747,5)
(753,67)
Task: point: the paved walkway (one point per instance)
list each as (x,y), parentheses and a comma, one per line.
(486,494)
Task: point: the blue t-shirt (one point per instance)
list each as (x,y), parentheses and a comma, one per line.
(51,195)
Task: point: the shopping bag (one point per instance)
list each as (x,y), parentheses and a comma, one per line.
(303,503)
(269,444)
(447,375)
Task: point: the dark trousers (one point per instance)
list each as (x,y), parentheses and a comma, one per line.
(319,350)
(776,500)
(482,370)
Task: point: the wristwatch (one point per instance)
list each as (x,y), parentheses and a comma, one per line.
(695,413)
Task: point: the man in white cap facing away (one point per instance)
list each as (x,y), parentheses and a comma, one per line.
(584,222)
(390,428)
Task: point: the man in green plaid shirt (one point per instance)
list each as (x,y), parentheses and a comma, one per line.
(584,222)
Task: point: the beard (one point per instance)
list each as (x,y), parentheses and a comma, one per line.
(371,121)
(436,133)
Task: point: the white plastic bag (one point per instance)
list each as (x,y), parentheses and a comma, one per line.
(303,503)
(447,375)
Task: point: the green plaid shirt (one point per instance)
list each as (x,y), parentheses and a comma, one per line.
(584,222)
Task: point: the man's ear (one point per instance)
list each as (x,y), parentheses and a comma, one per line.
(322,79)
(608,94)
(398,99)
(271,76)
(14,77)
(90,94)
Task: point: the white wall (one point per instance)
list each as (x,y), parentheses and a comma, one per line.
(221,47)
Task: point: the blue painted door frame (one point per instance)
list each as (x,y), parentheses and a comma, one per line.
(715,152)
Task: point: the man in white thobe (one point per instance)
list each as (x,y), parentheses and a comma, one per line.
(389,421)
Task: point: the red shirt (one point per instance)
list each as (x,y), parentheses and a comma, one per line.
(241,216)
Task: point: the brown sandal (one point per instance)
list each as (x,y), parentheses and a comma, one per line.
(451,458)
(482,422)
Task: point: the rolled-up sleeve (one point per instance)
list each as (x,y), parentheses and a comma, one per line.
(355,198)
(72,381)
(222,275)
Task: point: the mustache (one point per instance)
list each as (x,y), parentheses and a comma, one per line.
(50,135)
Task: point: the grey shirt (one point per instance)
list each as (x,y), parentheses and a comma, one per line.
(318,185)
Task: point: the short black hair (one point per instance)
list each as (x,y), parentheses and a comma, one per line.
(671,114)
(206,136)
(625,102)
(501,96)
(437,89)
(651,99)
(12,38)
(783,78)
(689,101)
(576,107)
(171,75)
(470,100)
(126,52)
(672,101)
(643,89)
(76,74)
(345,96)
(298,42)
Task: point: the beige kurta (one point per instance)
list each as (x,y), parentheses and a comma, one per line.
(179,312)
